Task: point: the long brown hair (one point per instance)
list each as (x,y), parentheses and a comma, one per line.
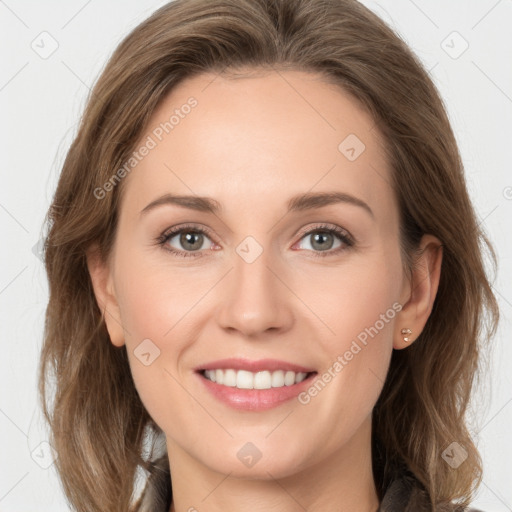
(99,427)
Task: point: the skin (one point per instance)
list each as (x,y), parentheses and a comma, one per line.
(251,143)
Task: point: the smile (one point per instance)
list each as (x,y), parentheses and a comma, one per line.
(254,384)
(243,379)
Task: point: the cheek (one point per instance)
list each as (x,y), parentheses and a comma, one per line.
(164,306)
(354,298)
(359,305)
(153,296)
(361,311)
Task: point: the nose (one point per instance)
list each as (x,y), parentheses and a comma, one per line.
(255,299)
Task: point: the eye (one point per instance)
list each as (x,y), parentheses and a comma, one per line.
(189,240)
(323,239)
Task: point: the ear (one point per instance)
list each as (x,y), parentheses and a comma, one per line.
(419,292)
(102,282)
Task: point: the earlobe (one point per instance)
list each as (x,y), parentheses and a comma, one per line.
(422,290)
(102,283)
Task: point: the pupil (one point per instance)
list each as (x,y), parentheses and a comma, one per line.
(318,237)
(187,240)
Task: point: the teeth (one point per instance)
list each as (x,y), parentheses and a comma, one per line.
(243,379)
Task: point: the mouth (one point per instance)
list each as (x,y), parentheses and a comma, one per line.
(254,385)
(244,379)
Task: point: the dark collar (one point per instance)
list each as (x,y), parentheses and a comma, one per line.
(405,495)
(397,496)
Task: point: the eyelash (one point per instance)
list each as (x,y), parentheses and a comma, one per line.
(342,235)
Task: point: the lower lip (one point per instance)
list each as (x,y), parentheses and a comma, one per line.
(255,399)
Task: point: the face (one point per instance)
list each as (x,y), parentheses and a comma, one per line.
(272,284)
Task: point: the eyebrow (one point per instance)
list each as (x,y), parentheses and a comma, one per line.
(301,202)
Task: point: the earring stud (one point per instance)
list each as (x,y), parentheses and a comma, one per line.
(405,333)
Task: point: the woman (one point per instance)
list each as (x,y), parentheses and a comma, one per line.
(198,330)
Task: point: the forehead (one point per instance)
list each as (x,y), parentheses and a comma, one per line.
(253,141)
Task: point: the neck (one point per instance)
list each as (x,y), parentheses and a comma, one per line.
(344,482)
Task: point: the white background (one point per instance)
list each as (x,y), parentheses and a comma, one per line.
(40,103)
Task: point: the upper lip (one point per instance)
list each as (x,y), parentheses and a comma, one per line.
(253,366)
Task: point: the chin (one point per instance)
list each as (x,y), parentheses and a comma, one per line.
(266,463)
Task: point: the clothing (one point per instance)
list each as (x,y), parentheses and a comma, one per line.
(402,496)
